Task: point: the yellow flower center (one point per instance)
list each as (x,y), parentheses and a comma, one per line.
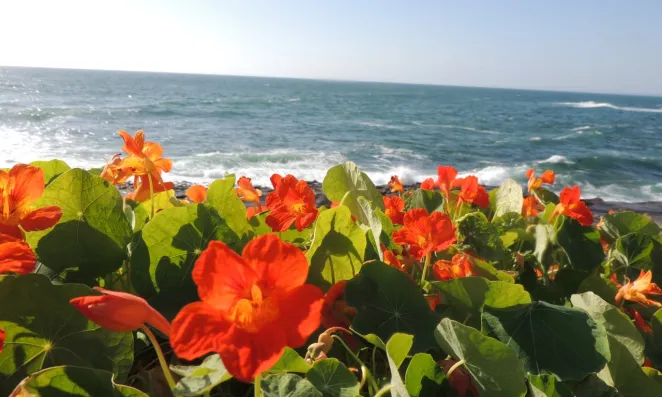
(252,314)
(298,208)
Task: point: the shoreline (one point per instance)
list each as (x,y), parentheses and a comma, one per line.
(598,205)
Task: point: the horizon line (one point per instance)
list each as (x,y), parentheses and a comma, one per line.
(322,79)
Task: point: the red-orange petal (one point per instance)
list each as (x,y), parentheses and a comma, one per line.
(199,329)
(548,177)
(301,314)
(16,256)
(428,184)
(111,312)
(25,184)
(130,145)
(41,219)
(246,355)
(278,265)
(279,219)
(197,193)
(275,180)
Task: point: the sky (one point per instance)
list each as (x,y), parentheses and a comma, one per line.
(569,45)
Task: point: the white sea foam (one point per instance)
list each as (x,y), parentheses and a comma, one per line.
(554,159)
(592,104)
(620,193)
(472,129)
(586,127)
(535,139)
(380,125)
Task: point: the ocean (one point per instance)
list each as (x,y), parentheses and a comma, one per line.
(609,145)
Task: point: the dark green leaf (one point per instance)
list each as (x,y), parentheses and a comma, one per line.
(475,230)
(626,375)
(550,339)
(542,386)
(619,224)
(346,183)
(337,250)
(288,385)
(427,199)
(388,301)
(424,378)
(581,244)
(546,197)
(333,379)
(43,330)
(635,249)
(494,367)
(93,233)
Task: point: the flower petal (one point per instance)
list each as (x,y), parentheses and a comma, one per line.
(25,184)
(277,264)
(130,145)
(247,355)
(197,193)
(41,219)
(301,313)
(199,329)
(16,256)
(152,150)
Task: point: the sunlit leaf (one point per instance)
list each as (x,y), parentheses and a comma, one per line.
(509,198)
(619,224)
(43,330)
(290,361)
(223,197)
(52,169)
(346,183)
(288,385)
(292,235)
(375,224)
(427,199)
(543,386)
(475,230)
(143,211)
(424,377)
(199,379)
(636,250)
(623,373)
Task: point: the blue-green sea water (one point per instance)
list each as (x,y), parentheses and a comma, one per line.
(611,146)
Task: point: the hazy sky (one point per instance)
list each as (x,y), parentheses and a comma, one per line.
(600,46)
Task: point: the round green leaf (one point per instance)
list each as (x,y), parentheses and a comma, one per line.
(509,198)
(427,199)
(43,330)
(288,385)
(52,169)
(166,250)
(616,323)
(143,211)
(290,361)
(475,230)
(222,195)
(635,249)
(337,250)
(581,244)
(623,223)
(550,339)
(542,386)
(388,301)
(333,379)
(93,233)
(200,379)
(625,374)
(346,183)
(72,381)
(494,367)
(424,378)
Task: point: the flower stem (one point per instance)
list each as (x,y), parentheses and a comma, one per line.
(257,387)
(384,390)
(454,367)
(159,354)
(428,259)
(364,368)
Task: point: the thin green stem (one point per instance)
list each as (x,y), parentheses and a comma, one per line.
(454,367)
(384,390)
(358,360)
(159,354)
(428,259)
(257,388)
(151,194)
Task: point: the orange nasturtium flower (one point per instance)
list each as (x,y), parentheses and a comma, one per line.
(571,205)
(19,188)
(292,201)
(335,311)
(120,311)
(394,208)
(472,192)
(428,184)
(639,321)
(396,185)
(392,260)
(637,290)
(112,171)
(530,206)
(459,267)
(447,175)
(16,256)
(247,192)
(252,307)
(425,233)
(197,194)
(535,183)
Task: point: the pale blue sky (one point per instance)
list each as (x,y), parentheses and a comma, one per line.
(586,45)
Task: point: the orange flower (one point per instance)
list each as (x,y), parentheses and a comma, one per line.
(19,188)
(535,183)
(425,233)
(394,209)
(197,194)
(392,260)
(120,311)
(142,189)
(459,379)
(252,307)
(396,185)
(530,207)
(433,300)
(472,192)
(292,201)
(570,205)
(637,291)
(335,311)
(247,192)
(428,184)
(639,321)
(460,267)
(16,256)
(112,171)
(144,157)
(447,175)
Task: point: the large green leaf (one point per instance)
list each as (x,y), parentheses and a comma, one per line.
(52,169)
(620,224)
(199,379)
(550,339)
(43,330)
(636,250)
(427,199)
(616,323)
(73,381)
(464,298)
(299,238)
(494,367)
(337,250)
(346,183)
(166,250)
(544,241)
(581,244)
(654,340)
(424,378)
(388,301)
(222,195)
(143,211)
(333,379)
(542,386)
(509,198)
(397,349)
(374,223)
(290,361)
(288,385)
(475,230)
(626,375)
(93,233)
